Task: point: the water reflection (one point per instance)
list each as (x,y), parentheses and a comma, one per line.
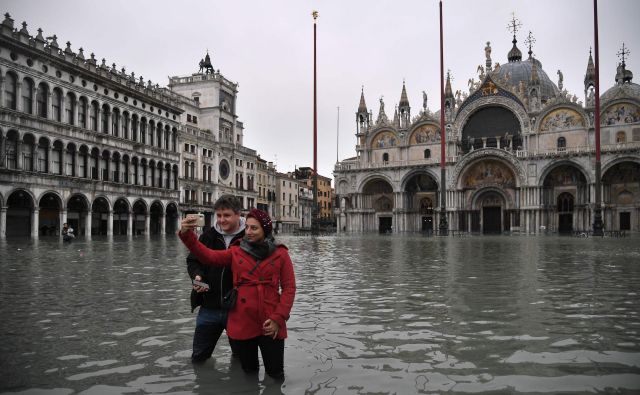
(373,314)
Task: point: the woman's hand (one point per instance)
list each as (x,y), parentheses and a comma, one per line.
(187,224)
(270,328)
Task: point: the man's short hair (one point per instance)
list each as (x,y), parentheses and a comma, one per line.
(227,202)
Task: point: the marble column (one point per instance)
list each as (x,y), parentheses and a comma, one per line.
(147,224)
(63,219)
(35,222)
(110,223)
(163,224)
(130,224)
(3,222)
(87,225)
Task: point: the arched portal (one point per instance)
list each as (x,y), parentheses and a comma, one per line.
(490,205)
(19,210)
(377,196)
(172,218)
(77,210)
(621,196)
(561,182)
(120,217)
(156,214)
(480,214)
(421,198)
(140,216)
(99,216)
(49,215)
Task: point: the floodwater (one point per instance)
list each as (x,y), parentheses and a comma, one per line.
(374,314)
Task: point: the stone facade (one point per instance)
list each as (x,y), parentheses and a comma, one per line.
(520,157)
(109,153)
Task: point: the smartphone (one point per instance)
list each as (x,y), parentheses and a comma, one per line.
(201,284)
(200,219)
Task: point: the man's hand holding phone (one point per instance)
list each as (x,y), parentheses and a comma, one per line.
(199,286)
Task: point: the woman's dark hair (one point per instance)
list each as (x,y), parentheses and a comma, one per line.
(227,202)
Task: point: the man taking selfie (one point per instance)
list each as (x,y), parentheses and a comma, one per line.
(212,318)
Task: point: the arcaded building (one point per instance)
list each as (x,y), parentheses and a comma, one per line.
(520,156)
(82,142)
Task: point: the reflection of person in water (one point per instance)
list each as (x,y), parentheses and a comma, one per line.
(208,379)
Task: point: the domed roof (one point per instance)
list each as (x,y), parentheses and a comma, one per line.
(626,90)
(521,71)
(623,88)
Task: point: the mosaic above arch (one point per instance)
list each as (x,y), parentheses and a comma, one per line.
(621,113)
(489,172)
(425,134)
(384,140)
(564,175)
(561,118)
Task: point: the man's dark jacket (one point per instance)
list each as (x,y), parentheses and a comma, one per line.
(220,279)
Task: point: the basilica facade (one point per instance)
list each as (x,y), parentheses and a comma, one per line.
(520,156)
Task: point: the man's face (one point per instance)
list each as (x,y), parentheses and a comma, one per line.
(228,220)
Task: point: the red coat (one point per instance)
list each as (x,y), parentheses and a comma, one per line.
(259,296)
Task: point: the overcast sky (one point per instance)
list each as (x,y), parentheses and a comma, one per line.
(267,47)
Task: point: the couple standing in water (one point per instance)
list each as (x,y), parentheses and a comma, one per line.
(243,282)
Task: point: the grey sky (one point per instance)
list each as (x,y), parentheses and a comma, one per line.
(267,47)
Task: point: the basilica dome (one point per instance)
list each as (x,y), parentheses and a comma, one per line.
(518,70)
(623,88)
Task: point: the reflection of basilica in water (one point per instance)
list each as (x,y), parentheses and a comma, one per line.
(520,156)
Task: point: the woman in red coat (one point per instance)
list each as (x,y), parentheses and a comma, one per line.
(266,285)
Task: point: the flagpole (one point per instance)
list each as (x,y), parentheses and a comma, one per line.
(598,225)
(314,219)
(443,226)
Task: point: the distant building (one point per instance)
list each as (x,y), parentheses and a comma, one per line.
(266,177)
(287,218)
(305,205)
(325,193)
(213,158)
(519,156)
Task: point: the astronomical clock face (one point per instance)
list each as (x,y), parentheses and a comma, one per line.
(224,169)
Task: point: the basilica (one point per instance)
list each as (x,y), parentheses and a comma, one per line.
(520,156)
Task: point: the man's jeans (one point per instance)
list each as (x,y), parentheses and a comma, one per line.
(209,326)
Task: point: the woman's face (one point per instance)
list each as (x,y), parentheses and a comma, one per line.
(253,230)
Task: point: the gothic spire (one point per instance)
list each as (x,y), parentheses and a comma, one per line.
(362,108)
(590,75)
(448,92)
(404,101)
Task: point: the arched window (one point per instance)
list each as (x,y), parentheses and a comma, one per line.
(27,96)
(104,119)
(193,170)
(143,131)
(125,125)
(152,127)
(82,112)
(621,137)
(115,122)
(385,157)
(562,144)
(93,117)
(69,108)
(427,153)
(186,169)
(204,172)
(41,100)
(57,105)
(10,91)
(565,202)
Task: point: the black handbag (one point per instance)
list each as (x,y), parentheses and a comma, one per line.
(229,300)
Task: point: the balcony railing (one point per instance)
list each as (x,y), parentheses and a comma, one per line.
(555,152)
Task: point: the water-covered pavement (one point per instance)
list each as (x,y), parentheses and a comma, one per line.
(373,314)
